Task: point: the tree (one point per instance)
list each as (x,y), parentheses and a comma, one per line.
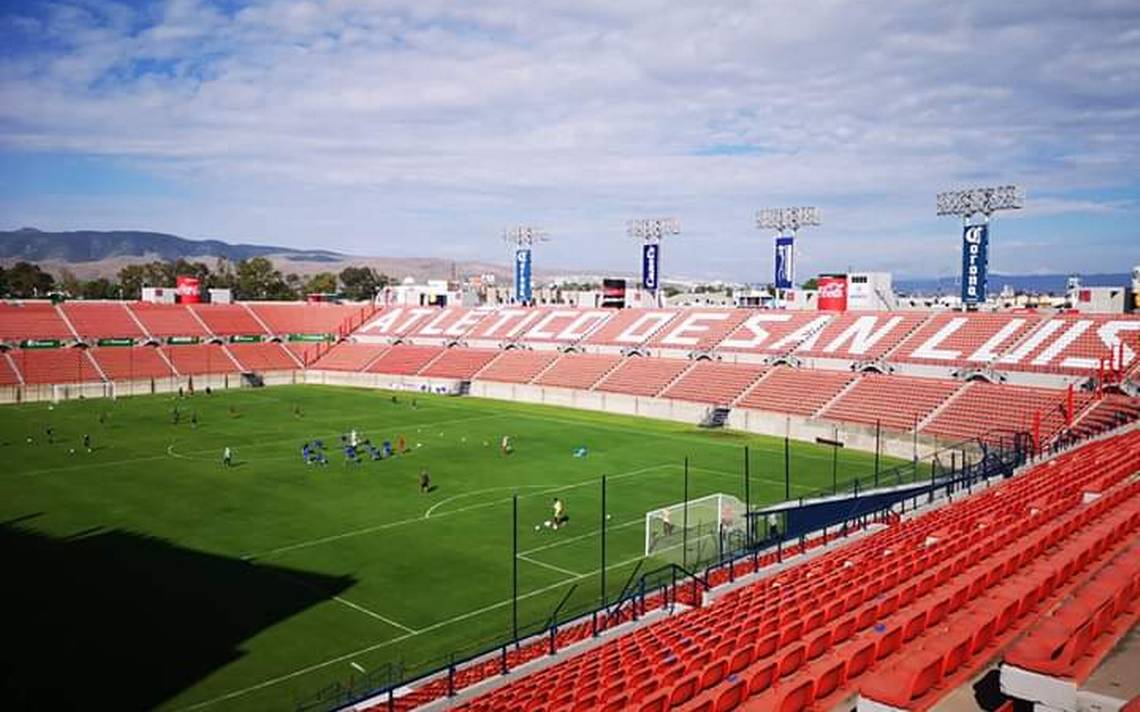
(362,283)
(321,283)
(69,284)
(812,283)
(257,278)
(101,288)
(187,268)
(26,280)
(131,279)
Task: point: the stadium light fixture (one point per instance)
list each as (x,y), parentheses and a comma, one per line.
(979,201)
(975,234)
(525,235)
(786,222)
(651,231)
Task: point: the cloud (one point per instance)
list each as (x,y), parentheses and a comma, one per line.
(439,122)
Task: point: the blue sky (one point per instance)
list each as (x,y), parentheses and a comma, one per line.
(423,127)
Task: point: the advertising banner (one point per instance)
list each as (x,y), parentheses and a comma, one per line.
(523,291)
(975,257)
(650,264)
(187,289)
(832,294)
(785,266)
(613,293)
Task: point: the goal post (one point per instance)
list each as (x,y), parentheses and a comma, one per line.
(693,532)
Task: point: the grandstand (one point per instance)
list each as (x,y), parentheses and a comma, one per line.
(900,372)
(935,589)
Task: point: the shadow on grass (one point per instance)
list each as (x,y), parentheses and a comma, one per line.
(109,619)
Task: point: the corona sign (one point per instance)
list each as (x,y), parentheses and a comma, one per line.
(523,293)
(975,248)
(650,264)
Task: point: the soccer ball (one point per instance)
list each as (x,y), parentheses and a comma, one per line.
(71,452)
(546,523)
(419,444)
(537,527)
(609,516)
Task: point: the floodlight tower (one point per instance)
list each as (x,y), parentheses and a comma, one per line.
(521,239)
(787,223)
(969,203)
(651,231)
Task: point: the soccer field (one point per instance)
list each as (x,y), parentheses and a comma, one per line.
(145,574)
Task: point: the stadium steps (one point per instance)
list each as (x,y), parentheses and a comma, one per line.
(70,326)
(349,356)
(713,382)
(95,365)
(807,636)
(254,315)
(890,353)
(31,320)
(162,355)
(1057,655)
(1103,414)
(405,359)
(266,356)
(135,319)
(164,320)
(835,398)
(944,656)
(642,376)
(795,390)
(228,319)
(14,377)
(896,402)
(97,320)
(517,366)
(943,406)
(50,366)
(580,371)
(458,362)
(201,322)
(131,362)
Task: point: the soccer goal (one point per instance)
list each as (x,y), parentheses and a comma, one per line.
(700,530)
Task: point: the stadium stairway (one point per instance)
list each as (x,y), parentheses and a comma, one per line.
(898,618)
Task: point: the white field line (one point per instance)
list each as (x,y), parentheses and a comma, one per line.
(545,565)
(385,643)
(374,614)
(403,522)
(587,535)
(452,498)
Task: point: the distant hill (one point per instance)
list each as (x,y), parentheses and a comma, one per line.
(1030,283)
(90,246)
(90,254)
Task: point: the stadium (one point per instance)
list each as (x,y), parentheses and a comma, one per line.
(818,390)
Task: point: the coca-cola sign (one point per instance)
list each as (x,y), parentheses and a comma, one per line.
(187,289)
(832,293)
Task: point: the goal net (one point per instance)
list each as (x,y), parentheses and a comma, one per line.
(691,533)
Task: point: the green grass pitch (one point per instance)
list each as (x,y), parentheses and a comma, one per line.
(148,573)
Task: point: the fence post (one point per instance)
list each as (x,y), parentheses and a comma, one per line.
(503,660)
(685,519)
(451,675)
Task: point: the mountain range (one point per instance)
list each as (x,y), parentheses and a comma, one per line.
(90,254)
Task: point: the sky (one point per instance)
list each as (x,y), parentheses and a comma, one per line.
(425,127)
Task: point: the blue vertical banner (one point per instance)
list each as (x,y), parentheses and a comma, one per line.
(975,258)
(650,264)
(785,262)
(523,291)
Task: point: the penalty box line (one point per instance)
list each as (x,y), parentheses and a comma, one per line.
(402,522)
(391,641)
